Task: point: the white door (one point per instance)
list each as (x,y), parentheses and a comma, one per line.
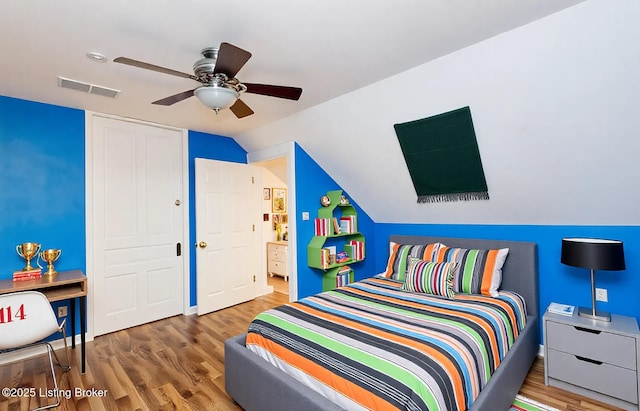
(228,198)
(137,223)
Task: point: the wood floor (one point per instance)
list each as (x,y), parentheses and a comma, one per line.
(279,284)
(177,364)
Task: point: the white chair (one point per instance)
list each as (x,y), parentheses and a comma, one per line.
(26,319)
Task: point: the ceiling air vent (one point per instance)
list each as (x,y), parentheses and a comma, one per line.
(87,88)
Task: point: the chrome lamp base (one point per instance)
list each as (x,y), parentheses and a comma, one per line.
(593,314)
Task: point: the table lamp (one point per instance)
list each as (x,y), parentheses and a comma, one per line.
(595,254)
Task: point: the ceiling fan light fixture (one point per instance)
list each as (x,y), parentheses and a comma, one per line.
(217,97)
(220,88)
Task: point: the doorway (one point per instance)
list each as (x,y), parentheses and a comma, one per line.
(278,168)
(275,229)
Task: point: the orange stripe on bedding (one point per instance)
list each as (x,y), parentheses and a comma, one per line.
(489,331)
(505,305)
(344,386)
(464,355)
(449,365)
(345,309)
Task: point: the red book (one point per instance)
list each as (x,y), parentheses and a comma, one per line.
(320,226)
(27,273)
(29,277)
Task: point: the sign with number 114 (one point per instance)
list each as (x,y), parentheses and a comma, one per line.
(7,316)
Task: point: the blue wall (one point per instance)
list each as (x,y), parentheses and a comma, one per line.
(311,183)
(42,183)
(212,147)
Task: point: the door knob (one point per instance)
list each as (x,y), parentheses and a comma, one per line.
(202,244)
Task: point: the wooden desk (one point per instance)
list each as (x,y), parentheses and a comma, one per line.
(67,285)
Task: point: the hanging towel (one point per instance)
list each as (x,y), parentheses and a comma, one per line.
(442,156)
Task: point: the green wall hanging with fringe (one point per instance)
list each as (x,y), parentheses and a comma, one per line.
(442,156)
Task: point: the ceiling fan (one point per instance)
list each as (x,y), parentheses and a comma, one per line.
(220,88)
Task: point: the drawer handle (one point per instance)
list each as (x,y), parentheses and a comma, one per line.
(589,360)
(587,330)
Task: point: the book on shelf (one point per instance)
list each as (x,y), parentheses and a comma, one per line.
(357,249)
(343,276)
(336,226)
(348,224)
(351,219)
(325,259)
(562,309)
(350,250)
(321,226)
(342,257)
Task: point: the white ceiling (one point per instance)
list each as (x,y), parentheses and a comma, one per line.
(328,47)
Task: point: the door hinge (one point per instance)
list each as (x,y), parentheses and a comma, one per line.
(253,227)
(253,180)
(254,278)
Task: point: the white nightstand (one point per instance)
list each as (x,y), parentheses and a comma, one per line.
(277,252)
(596,359)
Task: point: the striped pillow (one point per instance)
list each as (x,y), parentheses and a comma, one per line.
(400,253)
(430,278)
(478,272)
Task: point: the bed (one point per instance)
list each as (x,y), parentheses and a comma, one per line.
(255,384)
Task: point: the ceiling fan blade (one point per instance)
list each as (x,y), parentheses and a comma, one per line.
(231,59)
(290,93)
(240,109)
(167,101)
(142,64)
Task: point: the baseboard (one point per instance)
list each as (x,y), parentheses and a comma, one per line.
(266,290)
(23,354)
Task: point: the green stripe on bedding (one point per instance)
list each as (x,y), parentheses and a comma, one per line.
(392,370)
(471,332)
(411,351)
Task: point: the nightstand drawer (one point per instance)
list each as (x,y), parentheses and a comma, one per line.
(276,267)
(276,252)
(601,346)
(604,378)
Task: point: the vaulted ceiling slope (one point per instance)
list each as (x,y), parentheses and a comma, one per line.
(554,110)
(329,48)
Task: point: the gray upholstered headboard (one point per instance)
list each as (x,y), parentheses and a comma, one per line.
(520,270)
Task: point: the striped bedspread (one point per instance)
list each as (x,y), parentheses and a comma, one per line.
(372,346)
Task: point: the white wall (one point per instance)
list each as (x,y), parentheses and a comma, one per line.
(554,108)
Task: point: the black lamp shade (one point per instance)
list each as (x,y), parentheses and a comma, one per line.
(593,253)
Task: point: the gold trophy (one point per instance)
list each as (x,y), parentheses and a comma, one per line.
(50,256)
(28,251)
